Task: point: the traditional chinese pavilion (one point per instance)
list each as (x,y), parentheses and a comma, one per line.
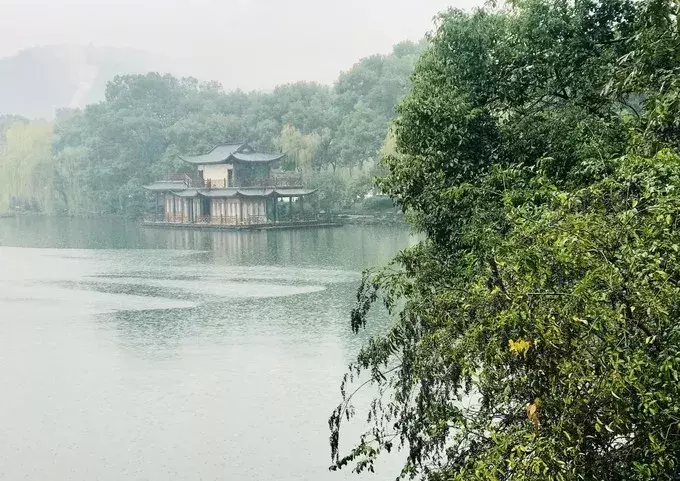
(234,186)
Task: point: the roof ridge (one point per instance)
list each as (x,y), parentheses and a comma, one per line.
(222,145)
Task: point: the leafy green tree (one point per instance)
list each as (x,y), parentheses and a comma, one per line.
(146,121)
(69,179)
(534,333)
(366,98)
(6,121)
(359,136)
(649,80)
(26,169)
(301,149)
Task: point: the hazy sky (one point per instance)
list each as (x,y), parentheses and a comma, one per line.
(251,44)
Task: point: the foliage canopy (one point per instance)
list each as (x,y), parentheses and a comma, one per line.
(103,154)
(108,151)
(535,332)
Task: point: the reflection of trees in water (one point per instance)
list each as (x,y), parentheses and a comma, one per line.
(351,246)
(68,232)
(354,247)
(292,319)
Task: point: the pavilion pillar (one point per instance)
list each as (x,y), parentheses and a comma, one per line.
(155,212)
(276,209)
(302,207)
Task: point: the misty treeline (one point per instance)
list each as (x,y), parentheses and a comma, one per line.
(96,160)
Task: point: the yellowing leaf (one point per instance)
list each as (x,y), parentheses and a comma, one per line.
(519,347)
(532,414)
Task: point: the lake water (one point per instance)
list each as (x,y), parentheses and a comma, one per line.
(131,353)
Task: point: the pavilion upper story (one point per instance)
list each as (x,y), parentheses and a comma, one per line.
(234,165)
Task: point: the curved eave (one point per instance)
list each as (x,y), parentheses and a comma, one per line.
(199,161)
(256,157)
(293,192)
(190,193)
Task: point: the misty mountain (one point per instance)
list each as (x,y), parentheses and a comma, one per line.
(36,81)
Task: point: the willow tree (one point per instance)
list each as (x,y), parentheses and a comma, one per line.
(301,149)
(26,170)
(535,332)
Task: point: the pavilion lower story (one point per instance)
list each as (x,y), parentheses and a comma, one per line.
(214,208)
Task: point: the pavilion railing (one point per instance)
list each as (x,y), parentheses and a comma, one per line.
(281,179)
(277,180)
(224,220)
(185,178)
(175,218)
(255,220)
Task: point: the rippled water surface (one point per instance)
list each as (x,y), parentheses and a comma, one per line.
(153,354)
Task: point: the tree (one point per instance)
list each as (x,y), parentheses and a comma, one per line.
(6,121)
(359,136)
(26,169)
(147,121)
(366,96)
(301,149)
(534,333)
(70,166)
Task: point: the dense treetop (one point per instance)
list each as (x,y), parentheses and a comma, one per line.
(104,153)
(535,332)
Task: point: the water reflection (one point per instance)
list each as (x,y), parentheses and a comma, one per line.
(348,246)
(175,354)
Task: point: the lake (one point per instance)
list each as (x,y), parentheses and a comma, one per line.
(157,354)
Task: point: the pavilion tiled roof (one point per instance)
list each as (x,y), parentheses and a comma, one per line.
(255,192)
(293,191)
(231,152)
(188,193)
(229,192)
(256,156)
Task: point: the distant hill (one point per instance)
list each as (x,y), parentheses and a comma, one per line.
(37,81)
